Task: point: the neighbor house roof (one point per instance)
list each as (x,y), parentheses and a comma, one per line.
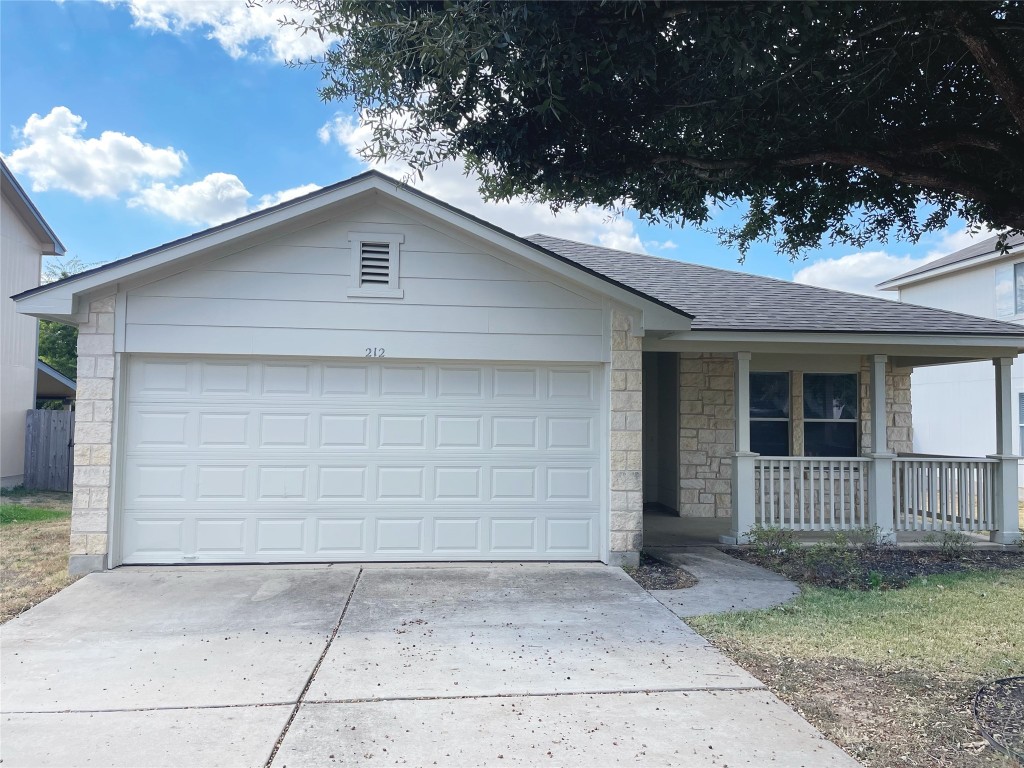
(19,199)
(723,300)
(52,383)
(953,261)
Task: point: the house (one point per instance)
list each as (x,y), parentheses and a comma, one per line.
(52,386)
(978,280)
(367,373)
(25,238)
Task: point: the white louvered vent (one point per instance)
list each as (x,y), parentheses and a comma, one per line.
(376,259)
(374,263)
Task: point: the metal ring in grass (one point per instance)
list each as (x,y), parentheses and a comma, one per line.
(999,713)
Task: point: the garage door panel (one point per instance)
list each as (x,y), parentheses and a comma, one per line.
(264,461)
(394,534)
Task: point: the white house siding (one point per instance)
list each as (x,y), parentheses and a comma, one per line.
(19,271)
(954,405)
(288,296)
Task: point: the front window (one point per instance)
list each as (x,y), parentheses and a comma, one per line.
(769,414)
(830,414)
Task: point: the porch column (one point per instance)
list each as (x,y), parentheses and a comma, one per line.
(1007,526)
(880,510)
(742,481)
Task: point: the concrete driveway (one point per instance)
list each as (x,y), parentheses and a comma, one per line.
(417,665)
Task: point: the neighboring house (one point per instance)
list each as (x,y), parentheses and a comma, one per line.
(954,412)
(366,373)
(52,386)
(25,238)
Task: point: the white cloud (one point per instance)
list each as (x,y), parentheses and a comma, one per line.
(451,184)
(266,201)
(54,154)
(241,29)
(217,198)
(214,199)
(665,245)
(857,272)
(861,272)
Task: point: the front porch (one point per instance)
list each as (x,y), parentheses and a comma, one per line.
(721,408)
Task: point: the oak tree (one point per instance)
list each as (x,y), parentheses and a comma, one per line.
(846,120)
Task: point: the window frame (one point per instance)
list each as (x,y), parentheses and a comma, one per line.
(1018,278)
(855,419)
(787,419)
(392,290)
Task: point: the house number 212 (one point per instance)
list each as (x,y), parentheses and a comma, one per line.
(375,351)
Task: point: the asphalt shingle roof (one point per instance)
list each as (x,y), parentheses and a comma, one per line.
(724,300)
(983,248)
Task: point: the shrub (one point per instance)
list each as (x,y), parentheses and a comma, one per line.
(772,542)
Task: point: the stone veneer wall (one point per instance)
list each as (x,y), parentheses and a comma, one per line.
(707,424)
(626,443)
(706,433)
(94,419)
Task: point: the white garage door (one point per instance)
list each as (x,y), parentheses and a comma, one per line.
(263,460)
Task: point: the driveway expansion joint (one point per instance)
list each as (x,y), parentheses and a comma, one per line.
(521,695)
(312,674)
(144,709)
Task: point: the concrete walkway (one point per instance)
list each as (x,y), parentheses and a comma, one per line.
(335,665)
(724,584)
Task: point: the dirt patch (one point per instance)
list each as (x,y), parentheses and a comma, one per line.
(882,716)
(33,564)
(999,712)
(873,567)
(654,574)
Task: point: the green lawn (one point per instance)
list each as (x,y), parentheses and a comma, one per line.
(16,513)
(888,675)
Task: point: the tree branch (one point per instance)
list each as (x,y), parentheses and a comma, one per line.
(993,59)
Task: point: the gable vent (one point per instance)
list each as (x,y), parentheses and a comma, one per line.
(375,263)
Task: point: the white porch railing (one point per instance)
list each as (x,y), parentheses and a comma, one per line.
(933,494)
(811,494)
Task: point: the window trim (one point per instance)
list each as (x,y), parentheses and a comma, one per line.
(788,420)
(1018,308)
(855,419)
(392,289)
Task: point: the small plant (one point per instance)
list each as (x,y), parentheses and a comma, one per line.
(771,541)
(875,580)
(862,538)
(953,545)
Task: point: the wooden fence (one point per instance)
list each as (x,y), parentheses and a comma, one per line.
(49,450)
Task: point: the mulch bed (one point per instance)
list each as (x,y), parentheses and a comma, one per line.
(999,712)
(873,567)
(654,574)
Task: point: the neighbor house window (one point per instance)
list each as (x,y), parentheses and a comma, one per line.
(375,265)
(769,414)
(830,414)
(1018,288)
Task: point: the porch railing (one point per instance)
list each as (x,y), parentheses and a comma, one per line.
(811,494)
(933,494)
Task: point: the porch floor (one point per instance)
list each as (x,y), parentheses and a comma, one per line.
(664,529)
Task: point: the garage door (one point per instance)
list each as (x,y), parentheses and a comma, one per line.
(264,461)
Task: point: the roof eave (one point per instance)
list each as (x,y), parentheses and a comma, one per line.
(44,234)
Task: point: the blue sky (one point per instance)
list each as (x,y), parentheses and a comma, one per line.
(134,122)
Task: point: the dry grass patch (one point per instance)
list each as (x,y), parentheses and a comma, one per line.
(889,676)
(33,551)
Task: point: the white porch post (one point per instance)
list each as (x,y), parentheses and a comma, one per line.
(742,459)
(1007,525)
(880,510)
